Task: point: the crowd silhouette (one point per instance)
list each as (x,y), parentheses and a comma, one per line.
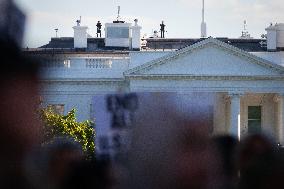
(169,151)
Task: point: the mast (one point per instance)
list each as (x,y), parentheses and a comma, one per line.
(202,11)
(203,24)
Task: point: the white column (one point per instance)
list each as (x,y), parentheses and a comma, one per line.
(235,117)
(280,102)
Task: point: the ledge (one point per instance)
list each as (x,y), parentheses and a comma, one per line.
(204,77)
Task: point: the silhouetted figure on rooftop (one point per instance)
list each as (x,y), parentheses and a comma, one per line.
(99,29)
(162,29)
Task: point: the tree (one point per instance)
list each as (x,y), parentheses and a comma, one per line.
(66,125)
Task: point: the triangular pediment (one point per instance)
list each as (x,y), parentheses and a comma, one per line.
(209,57)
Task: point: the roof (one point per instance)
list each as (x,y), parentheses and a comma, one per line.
(97,44)
(68,43)
(250,45)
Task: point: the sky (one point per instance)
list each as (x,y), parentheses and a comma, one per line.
(224,18)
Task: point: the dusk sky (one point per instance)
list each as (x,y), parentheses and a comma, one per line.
(224,18)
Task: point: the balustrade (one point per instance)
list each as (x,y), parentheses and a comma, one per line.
(98,63)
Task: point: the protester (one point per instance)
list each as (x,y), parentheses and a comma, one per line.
(89,174)
(172,150)
(20,128)
(261,164)
(227,147)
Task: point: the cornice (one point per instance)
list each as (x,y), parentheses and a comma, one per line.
(82,81)
(165,77)
(202,77)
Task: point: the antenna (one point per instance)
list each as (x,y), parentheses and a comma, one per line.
(245,33)
(79,21)
(118,13)
(56,32)
(118,19)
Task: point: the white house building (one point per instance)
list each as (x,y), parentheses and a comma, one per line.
(244,77)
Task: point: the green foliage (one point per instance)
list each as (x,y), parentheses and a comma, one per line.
(66,125)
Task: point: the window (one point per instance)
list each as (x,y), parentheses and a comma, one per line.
(117,32)
(57,108)
(254,119)
(57,63)
(67,63)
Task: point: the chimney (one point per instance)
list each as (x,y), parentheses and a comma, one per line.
(271,38)
(275,37)
(136,36)
(280,36)
(80,35)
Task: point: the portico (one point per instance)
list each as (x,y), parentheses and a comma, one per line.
(241,114)
(245,91)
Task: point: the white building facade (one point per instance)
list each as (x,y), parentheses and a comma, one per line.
(242,80)
(247,91)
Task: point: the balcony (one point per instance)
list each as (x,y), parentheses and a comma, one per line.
(84,68)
